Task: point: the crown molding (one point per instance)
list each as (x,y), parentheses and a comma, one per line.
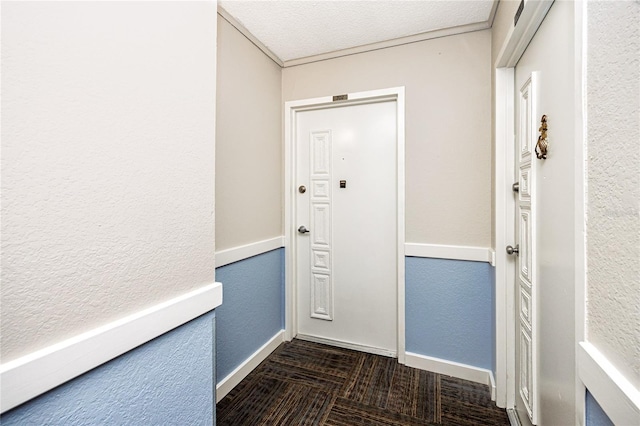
(245,32)
(445,32)
(416,38)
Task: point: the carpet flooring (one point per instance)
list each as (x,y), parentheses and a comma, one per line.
(304,383)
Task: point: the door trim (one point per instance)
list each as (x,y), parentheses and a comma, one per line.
(347,345)
(512,49)
(291,108)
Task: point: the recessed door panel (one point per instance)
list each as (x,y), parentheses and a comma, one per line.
(525,294)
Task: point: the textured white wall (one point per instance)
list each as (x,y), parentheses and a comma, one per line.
(108,134)
(613,227)
(448,127)
(248,142)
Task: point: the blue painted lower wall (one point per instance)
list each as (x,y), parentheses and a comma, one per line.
(450,310)
(450,314)
(167,381)
(252,311)
(594,414)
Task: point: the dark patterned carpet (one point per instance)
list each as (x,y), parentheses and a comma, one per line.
(304,383)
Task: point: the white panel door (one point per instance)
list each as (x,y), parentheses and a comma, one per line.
(347,262)
(525,292)
(550,57)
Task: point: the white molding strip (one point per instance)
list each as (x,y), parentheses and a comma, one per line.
(445,32)
(513,417)
(521,35)
(615,394)
(504,225)
(475,254)
(454,369)
(236,376)
(348,345)
(235,254)
(245,32)
(40,371)
(580,194)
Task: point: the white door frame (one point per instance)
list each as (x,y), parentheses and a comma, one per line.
(513,48)
(291,108)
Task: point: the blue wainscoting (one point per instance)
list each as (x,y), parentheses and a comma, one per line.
(167,381)
(595,415)
(450,310)
(252,311)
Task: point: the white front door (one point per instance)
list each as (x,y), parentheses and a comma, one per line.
(525,257)
(347,261)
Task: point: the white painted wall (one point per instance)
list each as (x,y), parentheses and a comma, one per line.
(249,142)
(108,137)
(448,127)
(613,227)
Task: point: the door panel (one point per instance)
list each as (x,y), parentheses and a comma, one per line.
(347,263)
(526,298)
(551,56)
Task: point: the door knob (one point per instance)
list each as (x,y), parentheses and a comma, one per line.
(513,250)
(303,230)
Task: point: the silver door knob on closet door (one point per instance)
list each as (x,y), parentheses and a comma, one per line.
(303,230)
(513,250)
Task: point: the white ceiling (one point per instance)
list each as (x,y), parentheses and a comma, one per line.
(302,28)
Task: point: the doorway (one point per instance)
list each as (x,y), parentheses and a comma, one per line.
(344,221)
(536,292)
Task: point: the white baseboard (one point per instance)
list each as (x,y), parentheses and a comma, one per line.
(348,345)
(236,254)
(619,399)
(40,371)
(236,376)
(454,369)
(438,251)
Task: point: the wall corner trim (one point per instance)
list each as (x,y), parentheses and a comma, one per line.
(236,254)
(248,365)
(438,251)
(454,369)
(245,32)
(31,375)
(619,399)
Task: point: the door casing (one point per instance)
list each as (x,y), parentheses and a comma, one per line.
(513,48)
(291,109)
